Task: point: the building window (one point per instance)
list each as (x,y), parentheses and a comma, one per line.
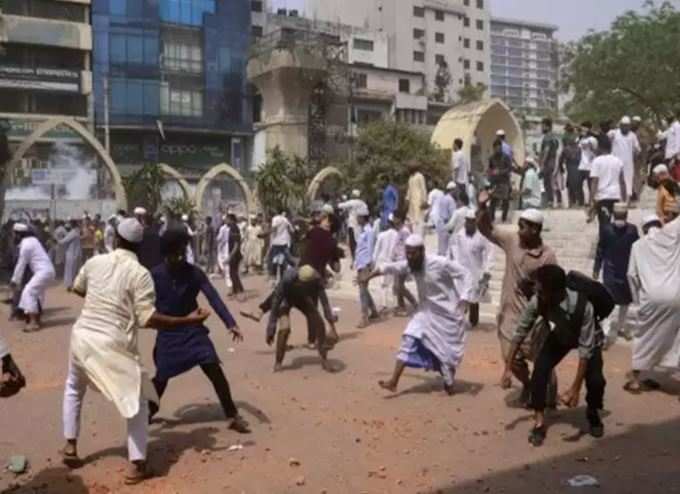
(439,15)
(466,43)
(256,6)
(360,80)
(466,3)
(439,37)
(181,102)
(183,56)
(439,59)
(134,49)
(418,11)
(418,33)
(480,66)
(189,12)
(480,4)
(480,45)
(466,64)
(134,97)
(480,24)
(362,44)
(541,36)
(418,56)
(256,31)
(466,21)
(45,9)
(404,86)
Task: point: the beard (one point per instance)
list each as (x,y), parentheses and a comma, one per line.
(416,265)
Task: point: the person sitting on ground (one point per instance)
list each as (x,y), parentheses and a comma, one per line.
(575,326)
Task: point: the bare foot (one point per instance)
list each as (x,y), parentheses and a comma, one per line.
(388,385)
(449,390)
(278,367)
(327,366)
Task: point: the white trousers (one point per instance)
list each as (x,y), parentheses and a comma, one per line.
(615,324)
(74,392)
(33,294)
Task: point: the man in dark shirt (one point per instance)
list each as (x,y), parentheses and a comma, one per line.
(574,327)
(299,288)
(210,246)
(149,253)
(321,248)
(235,255)
(549,146)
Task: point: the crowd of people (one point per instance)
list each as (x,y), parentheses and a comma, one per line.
(135,271)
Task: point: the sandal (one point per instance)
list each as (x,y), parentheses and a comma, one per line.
(239,425)
(537,436)
(633,388)
(70,459)
(137,473)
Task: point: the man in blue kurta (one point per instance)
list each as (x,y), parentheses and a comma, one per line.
(613,255)
(390,203)
(178,285)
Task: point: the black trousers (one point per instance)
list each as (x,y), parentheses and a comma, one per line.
(234,263)
(574,185)
(549,195)
(219,381)
(584,176)
(605,211)
(352,242)
(474,314)
(505,207)
(551,354)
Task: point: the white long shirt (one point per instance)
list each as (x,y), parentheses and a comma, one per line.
(625,147)
(439,322)
(119,300)
(385,247)
(460,167)
(457,221)
(109,237)
(32,255)
(353,206)
(474,253)
(673,140)
(433,199)
(588,147)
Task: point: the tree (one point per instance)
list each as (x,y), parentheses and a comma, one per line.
(282,182)
(382,151)
(471,93)
(143,187)
(442,81)
(633,68)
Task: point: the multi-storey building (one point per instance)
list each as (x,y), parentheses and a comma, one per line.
(170,83)
(45,63)
(525,65)
(422,35)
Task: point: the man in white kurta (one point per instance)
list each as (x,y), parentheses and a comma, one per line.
(435,336)
(223,252)
(625,146)
(254,245)
(654,276)
(416,197)
(353,206)
(119,300)
(473,251)
(32,255)
(72,253)
(384,252)
(110,234)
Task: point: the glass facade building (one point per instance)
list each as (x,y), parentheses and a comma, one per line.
(178,62)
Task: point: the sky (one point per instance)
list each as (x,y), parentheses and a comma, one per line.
(569,15)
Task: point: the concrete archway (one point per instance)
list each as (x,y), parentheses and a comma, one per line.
(52,123)
(319,179)
(479,122)
(175,175)
(225,169)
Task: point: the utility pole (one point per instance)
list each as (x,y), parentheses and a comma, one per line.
(107,133)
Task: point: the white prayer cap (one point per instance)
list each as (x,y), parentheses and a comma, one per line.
(20,227)
(327,208)
(660,136)
(112,217)
(626,120)
(390,217)
(131,230)
(637,119)
(344,197)
(650,218)
(139,211)
(532,216)
(451,186)
(471,214)
(363,211)
(356,193)
(185,217)
(500,132)
(659,169)
(415,240)
(620,207)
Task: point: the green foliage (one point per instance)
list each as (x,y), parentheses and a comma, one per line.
(282,183)
(471,93)
(177,206)
(143,187)
(633,68)
(382,151)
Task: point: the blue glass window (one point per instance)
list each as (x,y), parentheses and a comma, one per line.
(135,49)
(118,50)
(118,7)
(135,97)
(189,12)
